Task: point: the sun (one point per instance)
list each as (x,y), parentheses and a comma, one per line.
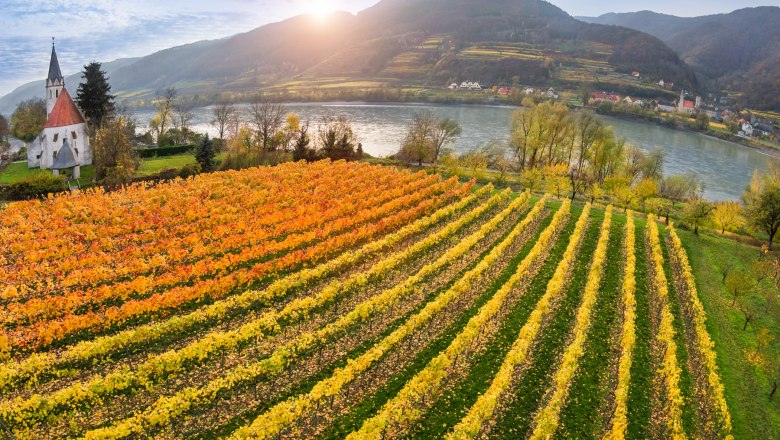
(321,9)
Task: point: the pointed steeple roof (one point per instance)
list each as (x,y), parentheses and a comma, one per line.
(54,66)
(64,159)
(64,112)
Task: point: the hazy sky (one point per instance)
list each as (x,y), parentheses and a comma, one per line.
(105,30)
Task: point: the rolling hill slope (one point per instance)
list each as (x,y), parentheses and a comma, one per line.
(410,42)
(739,51)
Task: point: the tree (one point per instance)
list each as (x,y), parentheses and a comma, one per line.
(696,213)
(645,190)
(182,112)
(532,179)
(737,284)
(727,215)
(444,133)
(205,154)
(475,161)
(594,191)
(113,155)
(164,110)
(223,114)
(28,119)
(702,121)
(662,207)
(267,118)
(680,188)
(289,133)
(301,150)
(763,202)
(4,128)
(337,140)
(417,145)
(94,96)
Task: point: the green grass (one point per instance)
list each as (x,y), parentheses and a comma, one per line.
(18,171)
(156,164)
(516,420)
(747,387)
(640,387)
(580,418)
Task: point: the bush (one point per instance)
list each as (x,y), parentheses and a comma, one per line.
(165,151)
(38,185)
(189,170)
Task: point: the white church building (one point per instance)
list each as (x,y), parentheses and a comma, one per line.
(64,141)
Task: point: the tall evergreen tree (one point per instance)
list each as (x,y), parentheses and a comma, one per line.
(94,96)
(205,154)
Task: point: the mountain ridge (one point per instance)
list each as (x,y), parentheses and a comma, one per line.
(493,41)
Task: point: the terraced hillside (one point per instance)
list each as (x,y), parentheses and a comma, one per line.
(342,300)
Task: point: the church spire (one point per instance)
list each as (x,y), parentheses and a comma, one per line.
(55,75)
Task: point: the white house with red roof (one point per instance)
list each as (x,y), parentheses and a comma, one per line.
(65,128)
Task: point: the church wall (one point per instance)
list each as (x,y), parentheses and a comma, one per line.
(53,138)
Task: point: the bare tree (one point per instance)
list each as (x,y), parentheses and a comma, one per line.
(444,133)
(223,114)
(267,119)
(164,103)
(183,113)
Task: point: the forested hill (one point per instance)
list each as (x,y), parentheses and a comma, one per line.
(739,51)
(411,42)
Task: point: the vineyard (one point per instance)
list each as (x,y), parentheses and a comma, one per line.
(345,300)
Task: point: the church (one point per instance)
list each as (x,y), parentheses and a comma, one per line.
(64,141)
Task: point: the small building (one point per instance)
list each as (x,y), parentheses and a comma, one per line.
(551,93)
(666,85)
(529,91)
(65,126)
(628,100)
(635,74)
(453,86)
(66,161)
(504,91)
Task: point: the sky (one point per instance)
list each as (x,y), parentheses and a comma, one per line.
(104,30)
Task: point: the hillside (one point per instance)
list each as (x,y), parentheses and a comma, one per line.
(411,43)
(739,51)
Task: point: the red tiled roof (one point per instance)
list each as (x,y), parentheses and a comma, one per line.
(689,104)
(64,112)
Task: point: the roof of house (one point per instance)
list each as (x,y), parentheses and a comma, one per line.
(64,159)
(54,67)
(64,112)
(689,104)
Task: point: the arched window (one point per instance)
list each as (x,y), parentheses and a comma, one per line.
(57,92)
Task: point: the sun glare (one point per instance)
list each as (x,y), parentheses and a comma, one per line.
(321,9)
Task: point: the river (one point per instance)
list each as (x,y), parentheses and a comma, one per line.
(724,167)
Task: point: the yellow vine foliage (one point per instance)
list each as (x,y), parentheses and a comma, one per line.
(628,336)
(669,368)
(403,408)
(547,420)
(704,342)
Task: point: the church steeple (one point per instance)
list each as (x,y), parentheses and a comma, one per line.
(54,82)
(55,75)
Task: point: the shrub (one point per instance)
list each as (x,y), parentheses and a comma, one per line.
(37,185)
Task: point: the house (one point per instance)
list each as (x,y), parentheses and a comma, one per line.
(475,86)
(761,129)
(465,85)
(666,85)
(453,86)
(628,100)
(604,96)
(529,91)
(664,106)
(551,93)
(504,91)
(747,129)
(635,74)
(639,102)
(65,131)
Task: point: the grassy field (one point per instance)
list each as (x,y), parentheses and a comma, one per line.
(156,164)
(748,384)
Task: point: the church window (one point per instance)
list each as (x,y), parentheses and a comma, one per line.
(77,152)
(54,154)
(57,93)
(56,136)
(73,135)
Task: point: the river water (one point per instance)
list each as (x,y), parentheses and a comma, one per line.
(724,167)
